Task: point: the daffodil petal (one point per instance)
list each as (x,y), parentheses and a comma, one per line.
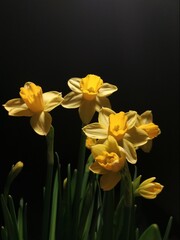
(146,117)
(147,181)
(17,107)
(96,168)
(41,123)
(74,84)
(110,180)
(98,149)
(113,145)
(107,89)
(131,155)
(132,118)
(72,100)
(95,130)
(103,116)
(86,111)
(51,100)
(147,147)
(147,194)
(102,102)
(136,136)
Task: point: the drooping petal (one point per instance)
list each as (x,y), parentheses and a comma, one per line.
(17,107)
(147,147)
(74,84)
(110,180)
(102,102)
(96,168)
(51,100)
(107,89)
(96,131)
(41,123)
(86,111)
(72,100)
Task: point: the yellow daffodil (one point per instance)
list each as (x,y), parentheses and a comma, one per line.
(148,188)
(35,104)
(145,123)
(109,161)
(121,126)
(88,94)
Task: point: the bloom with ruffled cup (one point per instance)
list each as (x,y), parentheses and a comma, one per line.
(35,104)
(88,94)
(121,127)
(148,188)
(109,161)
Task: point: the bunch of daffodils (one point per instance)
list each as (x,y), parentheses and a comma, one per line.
(98,199)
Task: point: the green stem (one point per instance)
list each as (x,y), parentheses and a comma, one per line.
(48,186)
(80,174)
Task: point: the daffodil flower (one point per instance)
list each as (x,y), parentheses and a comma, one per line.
(35,104)
(88,94)
(122,127)
(145,123)
(109,161)
(149,189)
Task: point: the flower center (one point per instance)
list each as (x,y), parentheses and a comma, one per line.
(110,161)
(32,96)
(90,86)
(151,129)
(117,125)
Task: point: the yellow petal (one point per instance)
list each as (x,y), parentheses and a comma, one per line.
(146,117)
(107,89)
(109,181)
(74,84)
(132,118)
(136,136)
(95,130)
(103,116)
(72,100)
(102,102)
(96,168)
(130,151)
(98,149)
(51,100)
(17,107)
(41,123)
(86,111)
(147,147)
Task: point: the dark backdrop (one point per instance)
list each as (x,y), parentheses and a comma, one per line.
(133,44)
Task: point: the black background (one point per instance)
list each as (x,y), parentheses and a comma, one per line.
(133,44)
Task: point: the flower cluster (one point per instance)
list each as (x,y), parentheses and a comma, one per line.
(113,141)
(115,138)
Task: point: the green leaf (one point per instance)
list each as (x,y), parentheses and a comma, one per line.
(151,233)
(9,225)
(20,219)
(52,230)
(168,228)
